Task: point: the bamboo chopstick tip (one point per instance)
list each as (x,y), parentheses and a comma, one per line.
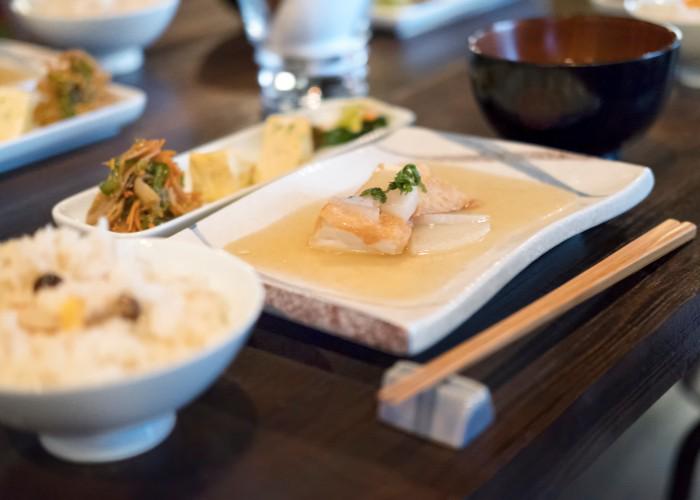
(692,227)
(451,413)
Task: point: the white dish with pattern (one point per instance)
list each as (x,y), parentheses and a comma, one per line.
(408,327)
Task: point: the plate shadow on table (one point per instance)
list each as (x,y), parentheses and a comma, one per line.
(183,466)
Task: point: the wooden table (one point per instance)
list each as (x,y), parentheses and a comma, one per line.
(294,415)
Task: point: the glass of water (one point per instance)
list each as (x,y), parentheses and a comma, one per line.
(307,50)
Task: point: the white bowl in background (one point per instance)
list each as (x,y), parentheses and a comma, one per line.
(687,20)
(116,40)
(120,419)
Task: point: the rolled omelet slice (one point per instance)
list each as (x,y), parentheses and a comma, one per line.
(16,108)
(287,144)
(215,176)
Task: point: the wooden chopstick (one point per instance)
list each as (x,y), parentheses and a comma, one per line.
(629,259)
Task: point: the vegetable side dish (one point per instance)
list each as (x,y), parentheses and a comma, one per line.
(74,84)
(145,187)
(355,121)
(290,141)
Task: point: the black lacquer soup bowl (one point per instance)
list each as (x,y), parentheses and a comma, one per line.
(585,84)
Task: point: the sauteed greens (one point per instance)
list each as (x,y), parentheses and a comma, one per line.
(144,188)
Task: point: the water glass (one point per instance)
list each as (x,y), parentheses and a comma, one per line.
(307,50)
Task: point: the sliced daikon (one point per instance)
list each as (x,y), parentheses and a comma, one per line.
(450,219)
(440,233)
(402,205)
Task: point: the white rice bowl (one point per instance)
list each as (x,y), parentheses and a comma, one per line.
(75,334)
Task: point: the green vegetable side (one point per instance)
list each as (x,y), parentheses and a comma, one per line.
(144,188)
(355,121)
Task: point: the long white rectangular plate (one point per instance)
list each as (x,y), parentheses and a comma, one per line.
(407,21)
(246,145)
(43,142)
(409,330)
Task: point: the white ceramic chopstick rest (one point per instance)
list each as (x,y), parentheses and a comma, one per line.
(453,413)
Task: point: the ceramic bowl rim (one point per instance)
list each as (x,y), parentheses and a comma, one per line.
(158,7)
(502,24)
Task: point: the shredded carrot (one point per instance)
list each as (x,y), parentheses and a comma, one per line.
(136,164)
(132,215)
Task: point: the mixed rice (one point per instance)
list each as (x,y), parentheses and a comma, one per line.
(82,310)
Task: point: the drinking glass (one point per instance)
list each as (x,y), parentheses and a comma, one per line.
(307,50)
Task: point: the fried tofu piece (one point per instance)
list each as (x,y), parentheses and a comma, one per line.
(356,224)
(381,221)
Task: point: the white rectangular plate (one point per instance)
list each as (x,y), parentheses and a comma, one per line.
(411,20)
(245,144)
(71,133)
(410,330)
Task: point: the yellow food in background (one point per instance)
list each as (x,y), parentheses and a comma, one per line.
(353,117)
(287,144)
(214,177)
(693,3)
(16,108)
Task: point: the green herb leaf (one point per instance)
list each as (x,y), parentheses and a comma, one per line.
(376,193)
(158,173)
(407,178)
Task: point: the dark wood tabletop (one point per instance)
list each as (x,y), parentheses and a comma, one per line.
(294,416)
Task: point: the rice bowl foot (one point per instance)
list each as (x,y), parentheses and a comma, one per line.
(110,445)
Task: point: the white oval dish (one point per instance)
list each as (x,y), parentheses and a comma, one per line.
(120,419)
(246,144)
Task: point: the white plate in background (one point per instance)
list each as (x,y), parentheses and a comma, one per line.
(246,145)
(42,142)
(407,21)
(409,329)
(609,7)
